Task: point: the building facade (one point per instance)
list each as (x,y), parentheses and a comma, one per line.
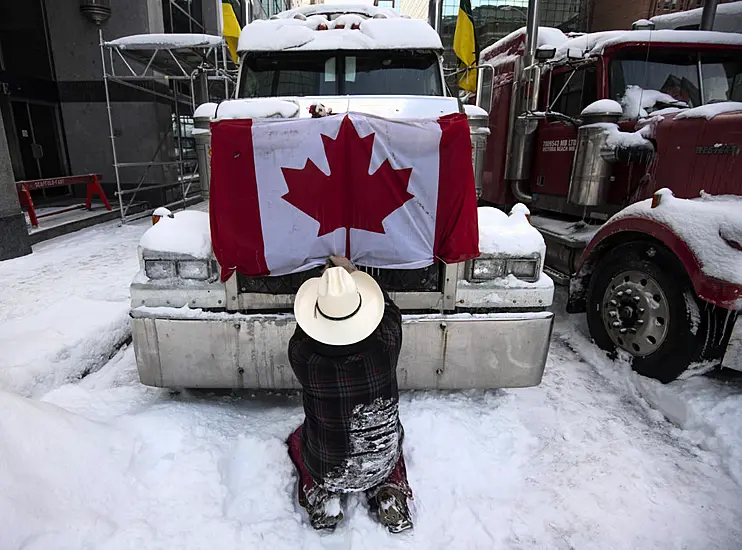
(52,94)
(494,19)
(606,15)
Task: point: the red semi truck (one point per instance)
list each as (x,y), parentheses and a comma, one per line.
(626,147)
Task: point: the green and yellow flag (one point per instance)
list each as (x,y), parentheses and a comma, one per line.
(230,29)
(465,46)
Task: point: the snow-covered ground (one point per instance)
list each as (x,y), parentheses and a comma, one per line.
(586,460)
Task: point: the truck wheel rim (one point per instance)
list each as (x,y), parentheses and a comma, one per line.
(636,314)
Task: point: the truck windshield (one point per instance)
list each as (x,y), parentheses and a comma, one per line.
(341,73)
(676,74)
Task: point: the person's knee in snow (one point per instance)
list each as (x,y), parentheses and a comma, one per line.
(344,353)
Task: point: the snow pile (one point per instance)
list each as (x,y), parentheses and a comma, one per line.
(256,108)
(347,21)
(165,41)
(40,353)
(106,462)
(374,34)
(601,107)
(186,233)
(595,43)
(728,18)
(475,111)
(513,235)
(207,110)
(711,110)
(700,223)
(637,100)
(710,410)
(327,8)
(401,34)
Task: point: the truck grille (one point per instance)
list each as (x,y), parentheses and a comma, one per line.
(427,279)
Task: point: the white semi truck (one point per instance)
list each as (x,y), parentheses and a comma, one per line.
(483,323)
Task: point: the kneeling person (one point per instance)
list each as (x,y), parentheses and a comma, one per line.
(344,353)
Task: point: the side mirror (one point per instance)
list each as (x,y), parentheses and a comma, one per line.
(545,52)
(575,54)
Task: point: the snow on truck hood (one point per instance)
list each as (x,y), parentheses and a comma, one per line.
(392,107)
(703,223)
(187,232)
(501,234)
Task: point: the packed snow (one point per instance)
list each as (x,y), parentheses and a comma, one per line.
(256,108)
(186,232)
(711,110)
(302,35)
(728,18)
(595,43)
(586,460)
(165,41)
(601,107)
(508,235)
(205,110)
(637,100)
(328,8)
(547,36)
(701,223)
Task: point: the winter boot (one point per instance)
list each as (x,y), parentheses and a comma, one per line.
(322,506)
(391,505)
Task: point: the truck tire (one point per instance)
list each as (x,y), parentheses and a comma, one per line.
(640,300)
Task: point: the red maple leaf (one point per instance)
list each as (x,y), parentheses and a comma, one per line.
(349,196)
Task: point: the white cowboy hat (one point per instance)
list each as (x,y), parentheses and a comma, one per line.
(339,308)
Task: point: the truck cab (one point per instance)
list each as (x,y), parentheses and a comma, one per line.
(483,323)
(618,142)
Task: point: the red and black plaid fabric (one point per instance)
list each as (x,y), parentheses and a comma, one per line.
(336,380)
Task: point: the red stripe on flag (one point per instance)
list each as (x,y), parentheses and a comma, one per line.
(234,208)
(456,226)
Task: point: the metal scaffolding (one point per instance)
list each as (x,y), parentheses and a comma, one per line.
(160,65)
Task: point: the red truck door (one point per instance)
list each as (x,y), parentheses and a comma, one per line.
(570,91)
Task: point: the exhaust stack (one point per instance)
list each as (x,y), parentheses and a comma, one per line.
(522,138)
(708,15)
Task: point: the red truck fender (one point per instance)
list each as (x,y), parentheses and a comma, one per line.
(633,228)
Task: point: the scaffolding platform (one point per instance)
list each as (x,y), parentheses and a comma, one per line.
(177,68)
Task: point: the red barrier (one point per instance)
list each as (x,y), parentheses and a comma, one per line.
(93,188)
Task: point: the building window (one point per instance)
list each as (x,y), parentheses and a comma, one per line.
(182,16)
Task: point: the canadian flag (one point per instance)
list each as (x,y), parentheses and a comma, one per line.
(286,194)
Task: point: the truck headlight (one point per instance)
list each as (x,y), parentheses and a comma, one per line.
(526,269)
(488,268)
(159,269)
(193,269)
(485,269)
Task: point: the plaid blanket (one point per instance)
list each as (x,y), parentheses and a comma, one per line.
(351,438)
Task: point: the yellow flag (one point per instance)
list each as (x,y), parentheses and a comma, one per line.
(231,30)
(465,46)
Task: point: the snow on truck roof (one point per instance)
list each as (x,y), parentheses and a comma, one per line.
(338,27)
(728,18)
(513,45)
(596,43)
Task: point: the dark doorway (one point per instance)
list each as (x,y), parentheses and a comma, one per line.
(37,134)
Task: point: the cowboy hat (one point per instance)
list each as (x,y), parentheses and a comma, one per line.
(339,308)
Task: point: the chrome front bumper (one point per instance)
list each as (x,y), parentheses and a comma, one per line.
(194,349)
